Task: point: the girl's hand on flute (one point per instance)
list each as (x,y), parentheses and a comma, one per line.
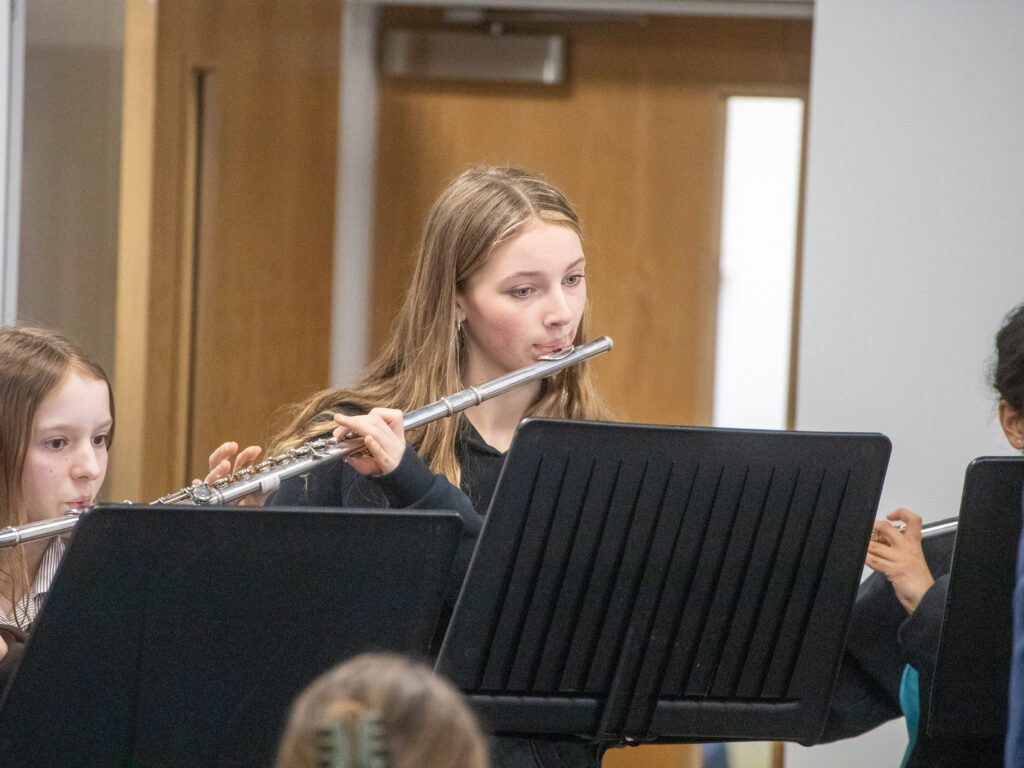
(221,465)
(383,435)
(898,554)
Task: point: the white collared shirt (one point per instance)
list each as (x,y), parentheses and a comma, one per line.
(27,608)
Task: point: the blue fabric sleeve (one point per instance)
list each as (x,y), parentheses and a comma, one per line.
(1015,723)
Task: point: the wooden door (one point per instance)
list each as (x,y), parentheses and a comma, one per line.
(654,756)
(227,226)
(634,137)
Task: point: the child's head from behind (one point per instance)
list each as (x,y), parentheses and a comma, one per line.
(425,722)
(56,423)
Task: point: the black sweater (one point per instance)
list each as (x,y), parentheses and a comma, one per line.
(412,486)
(883,638)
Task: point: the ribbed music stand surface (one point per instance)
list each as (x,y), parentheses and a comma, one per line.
(640,583)
(969,689)
(178,636)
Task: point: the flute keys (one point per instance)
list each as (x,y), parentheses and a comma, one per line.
(350,445)
(202,494)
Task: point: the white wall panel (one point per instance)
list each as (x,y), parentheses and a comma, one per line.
(912,247)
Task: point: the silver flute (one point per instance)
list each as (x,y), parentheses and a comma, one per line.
(266,476)
(928,531)
(938,529)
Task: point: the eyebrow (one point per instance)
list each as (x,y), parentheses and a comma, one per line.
(538,273)
(71,427)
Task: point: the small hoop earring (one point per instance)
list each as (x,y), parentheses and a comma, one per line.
(458,327)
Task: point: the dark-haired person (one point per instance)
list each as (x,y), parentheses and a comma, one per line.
(892,646)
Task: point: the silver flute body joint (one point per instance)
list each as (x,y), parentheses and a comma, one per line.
(937,529)
(13,535)
(266,476)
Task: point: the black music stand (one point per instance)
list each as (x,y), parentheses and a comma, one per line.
(969,687)
(179,636)
(639,583)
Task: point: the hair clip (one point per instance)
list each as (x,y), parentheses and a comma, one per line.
(351,738)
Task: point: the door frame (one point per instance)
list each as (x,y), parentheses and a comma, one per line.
(357,142)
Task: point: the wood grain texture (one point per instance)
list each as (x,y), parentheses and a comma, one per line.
(226,250)
(125,472)
(654,756)
(634,137)
(228,314)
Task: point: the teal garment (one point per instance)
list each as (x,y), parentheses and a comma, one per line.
(910,703)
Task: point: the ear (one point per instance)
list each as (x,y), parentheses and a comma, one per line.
(1012,422)
(460,311)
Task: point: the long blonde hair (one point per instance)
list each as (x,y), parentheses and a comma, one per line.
(32,362)
(425,722)
(424,357)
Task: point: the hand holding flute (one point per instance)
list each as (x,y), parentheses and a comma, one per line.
(898,554)
(221,465)
(383,434)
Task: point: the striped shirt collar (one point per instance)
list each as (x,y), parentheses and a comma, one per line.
(27,608)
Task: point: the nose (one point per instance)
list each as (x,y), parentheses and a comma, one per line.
(559,310)
(85,464)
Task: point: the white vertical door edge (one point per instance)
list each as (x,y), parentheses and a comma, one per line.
(353,206)
(12,77)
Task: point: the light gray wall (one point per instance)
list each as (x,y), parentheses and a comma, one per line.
(912,245)
(71,143)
